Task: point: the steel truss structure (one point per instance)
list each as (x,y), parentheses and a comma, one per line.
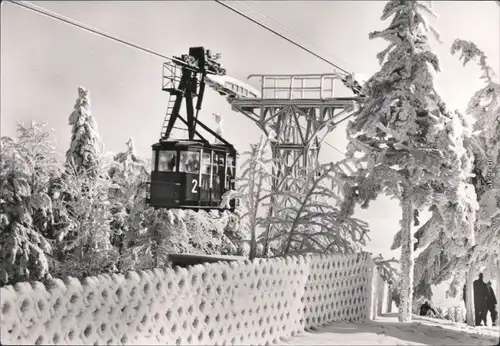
(301,110)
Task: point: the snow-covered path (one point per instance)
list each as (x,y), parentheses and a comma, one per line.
(386,330)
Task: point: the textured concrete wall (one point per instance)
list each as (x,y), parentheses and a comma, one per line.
(382,295)
(222,303)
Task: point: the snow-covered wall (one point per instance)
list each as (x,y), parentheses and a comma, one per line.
(233,303)
(381,296)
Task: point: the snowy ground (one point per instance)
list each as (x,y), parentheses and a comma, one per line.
(386,330)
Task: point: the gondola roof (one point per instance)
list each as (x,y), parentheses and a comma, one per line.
(195,144)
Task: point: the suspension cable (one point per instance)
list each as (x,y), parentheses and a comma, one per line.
(67,20)
(291,31)
(280,35)
(70,21)
(289,40)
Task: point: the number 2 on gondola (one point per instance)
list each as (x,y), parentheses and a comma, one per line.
(195,186)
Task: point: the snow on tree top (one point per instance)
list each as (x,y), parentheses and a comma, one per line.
(83,153)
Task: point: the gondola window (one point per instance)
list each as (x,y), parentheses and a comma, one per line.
(167,161)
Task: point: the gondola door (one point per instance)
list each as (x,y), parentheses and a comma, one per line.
(218,165)
(190,165)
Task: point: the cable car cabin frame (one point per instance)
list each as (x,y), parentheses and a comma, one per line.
(191,175)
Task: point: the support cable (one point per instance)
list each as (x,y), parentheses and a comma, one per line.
(67,20)
(280,35)
(312,44)
(70,21)
(287,39)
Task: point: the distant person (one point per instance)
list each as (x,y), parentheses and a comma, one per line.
(172,164)
(425,308)
(480,296)
(491,303)
(464,297)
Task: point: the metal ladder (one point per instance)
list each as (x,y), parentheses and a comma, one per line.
(170,107)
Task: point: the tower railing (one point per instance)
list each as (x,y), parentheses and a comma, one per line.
(171,76)
(298,86)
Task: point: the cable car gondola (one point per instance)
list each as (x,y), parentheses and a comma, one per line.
(190,173)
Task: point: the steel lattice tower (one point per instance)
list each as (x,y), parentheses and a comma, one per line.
(301,110)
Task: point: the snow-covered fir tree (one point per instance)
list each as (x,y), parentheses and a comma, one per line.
(83,152)
(412,147)
(437,262)
(128,166)
(152,234)
(208,233)
(433,266)
(85,243)
(27,165)
(484,107)
(129,173)
(39,145)
(253,185)
(306,219)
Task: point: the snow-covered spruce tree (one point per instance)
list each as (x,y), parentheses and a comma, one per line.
(83,152)
(38,145)
(309,221)
(435,265)
(484,107)
(434,269)
(85,244)
(252,189)
(411,145)
(208,233)
(26,207)
(128,169)
(305,220)
(128,173)
(153,234)
(442,258)
(441,255)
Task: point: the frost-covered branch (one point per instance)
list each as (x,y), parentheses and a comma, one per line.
(310,220)
(305,218)
(386,269)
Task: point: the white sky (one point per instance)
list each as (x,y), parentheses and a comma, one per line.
(43,61)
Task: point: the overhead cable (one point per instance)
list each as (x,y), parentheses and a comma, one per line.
(70,21)
(73,22)
(280,35)
(289,30)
